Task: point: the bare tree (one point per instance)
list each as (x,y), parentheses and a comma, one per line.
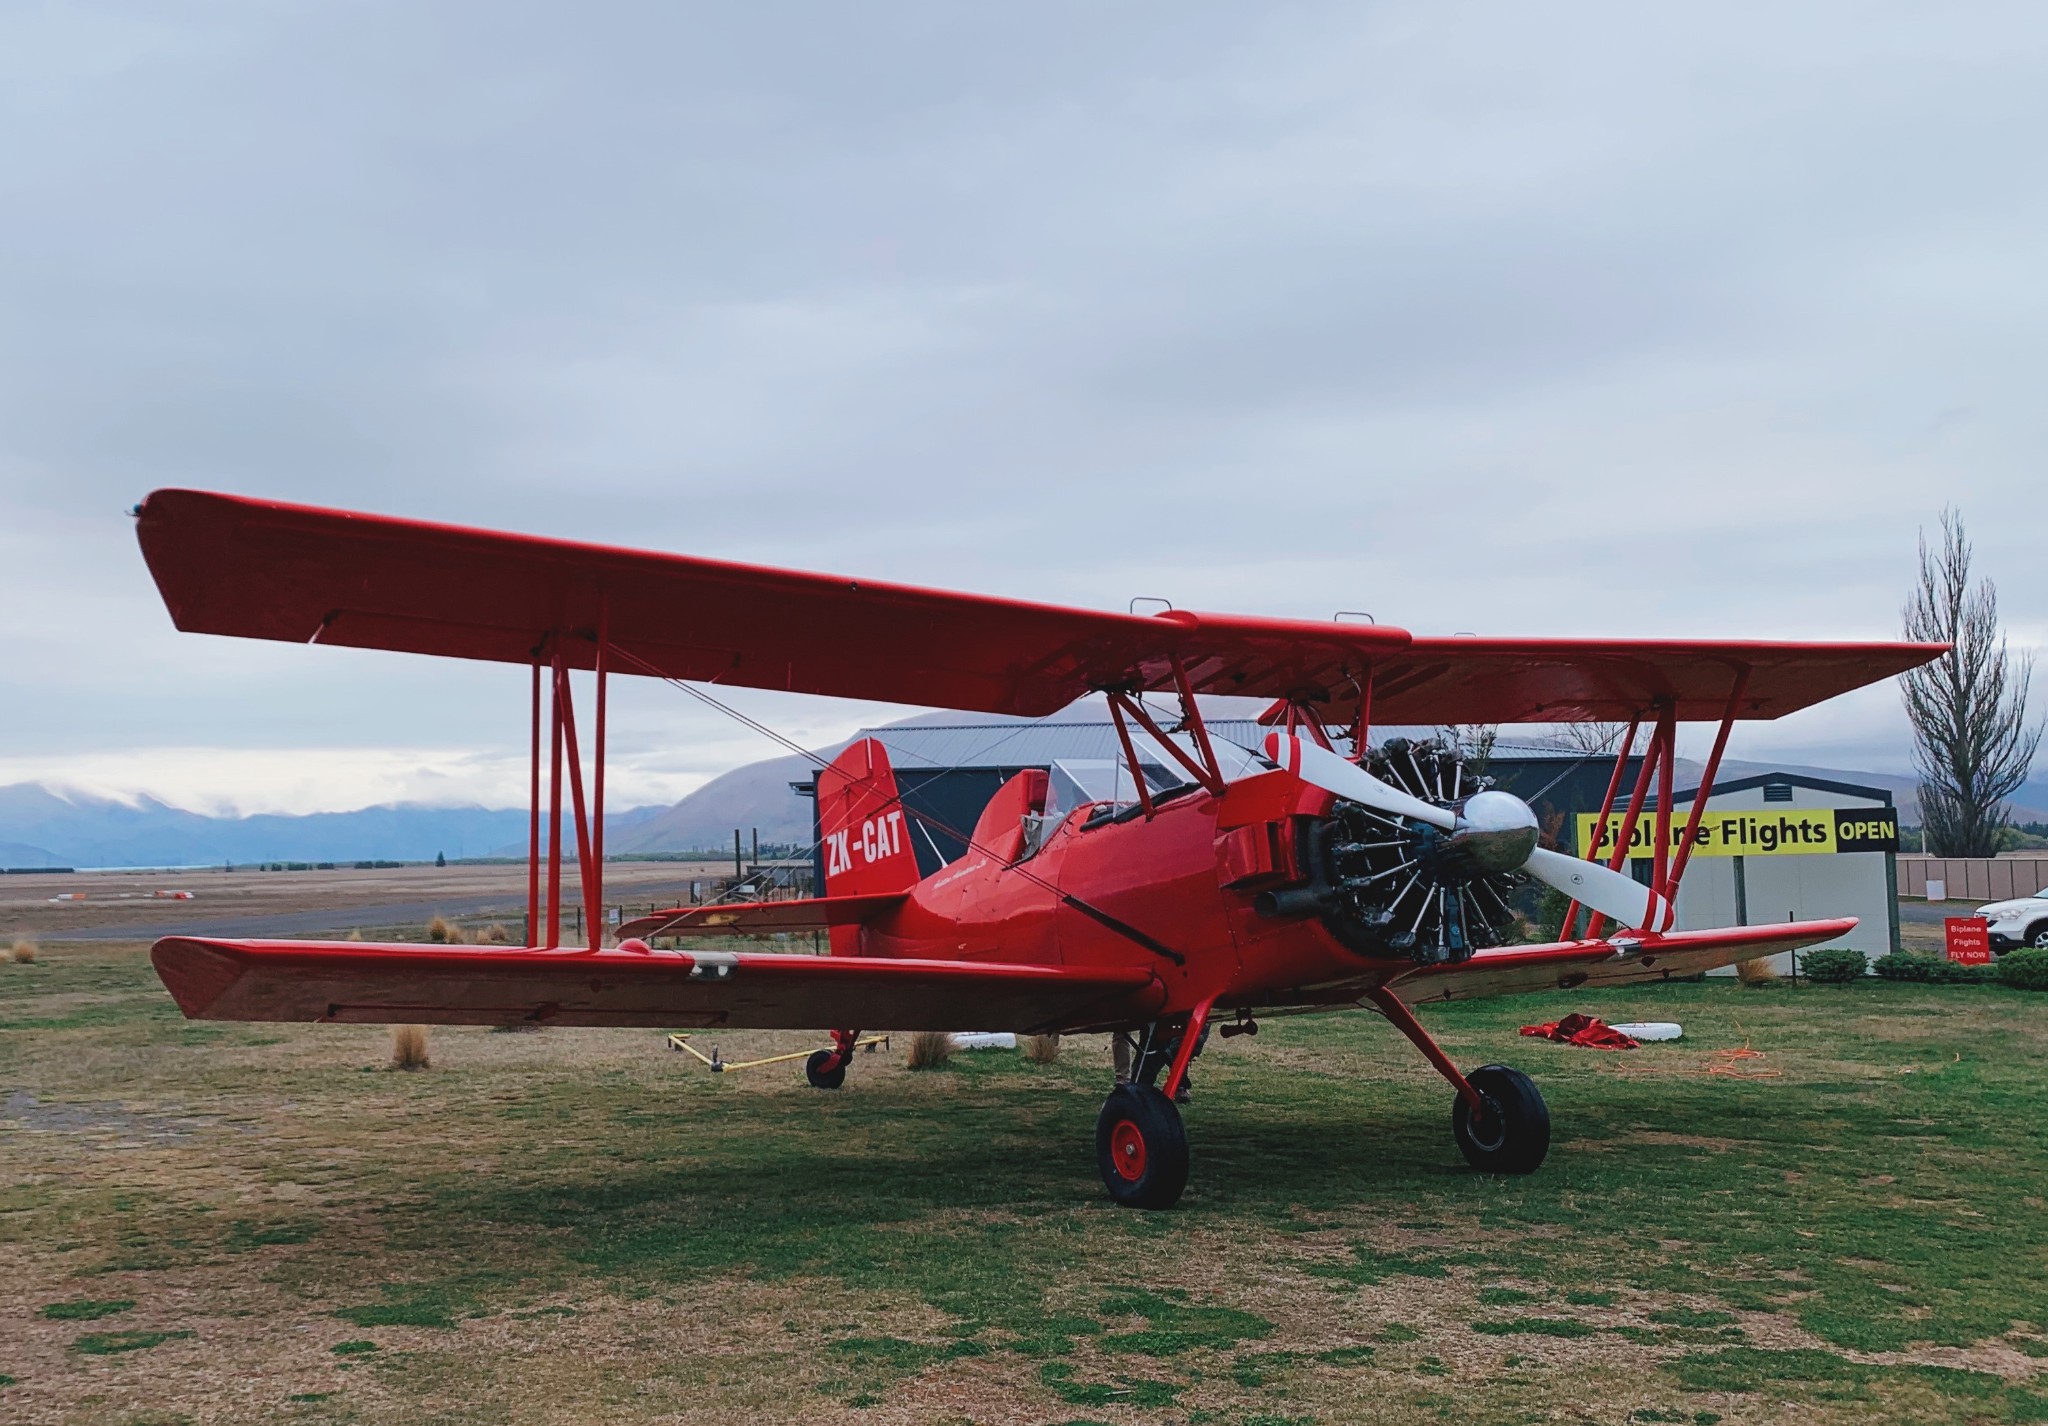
(1971,743)
(1590,738)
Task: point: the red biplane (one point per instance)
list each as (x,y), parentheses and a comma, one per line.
(1218,886)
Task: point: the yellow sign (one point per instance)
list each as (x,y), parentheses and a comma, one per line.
(1805,831)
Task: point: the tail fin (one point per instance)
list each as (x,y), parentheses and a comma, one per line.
(866,831)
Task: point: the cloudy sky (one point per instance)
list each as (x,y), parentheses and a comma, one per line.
(1601,318)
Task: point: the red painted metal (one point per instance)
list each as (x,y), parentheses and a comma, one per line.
(1191,719)
(1667,733)
(576,803)
(1700,797)
(555,808)
(1190,1036)
(1127,1150)
(533,820)
(1123,737)
(264,569)
(1206,776)
(1628,744)
(1403,1019)
(596,902)
(1627,831)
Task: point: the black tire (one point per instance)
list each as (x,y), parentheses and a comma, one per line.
(1515,1134)
(822,1072)
(1141,1148)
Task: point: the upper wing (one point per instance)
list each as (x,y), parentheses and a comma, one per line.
(267,570)
(1625,960)
(354,982)
(1474,680)
(762,918)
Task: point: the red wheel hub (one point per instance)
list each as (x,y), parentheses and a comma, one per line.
(1127,1150)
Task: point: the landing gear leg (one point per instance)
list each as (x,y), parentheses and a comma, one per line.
(1499,1120)
(827,1068)
(1141,1146)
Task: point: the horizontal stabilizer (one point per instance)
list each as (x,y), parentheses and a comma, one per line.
(360,983)
(1624,960)
(765,918)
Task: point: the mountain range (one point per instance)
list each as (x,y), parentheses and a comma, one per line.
(42,827)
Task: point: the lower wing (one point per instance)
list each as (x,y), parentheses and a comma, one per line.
(1623,960)
(357,983)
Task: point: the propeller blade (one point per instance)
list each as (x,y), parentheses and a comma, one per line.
(1319,767)
(1620,898)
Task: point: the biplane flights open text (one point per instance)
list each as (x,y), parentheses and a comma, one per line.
(1213,886)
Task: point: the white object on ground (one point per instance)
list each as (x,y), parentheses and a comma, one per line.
(1650,1030)
(984,1040)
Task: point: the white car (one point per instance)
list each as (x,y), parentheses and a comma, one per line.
(2019,922)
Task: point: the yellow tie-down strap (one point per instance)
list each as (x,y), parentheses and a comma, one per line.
(681,1041)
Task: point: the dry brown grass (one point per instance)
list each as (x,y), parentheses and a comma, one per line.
(23,953)
(356,935)
(409,1047)
(494,934)
(443,932)
(930,1049)
(1042,1049)
(1756,972)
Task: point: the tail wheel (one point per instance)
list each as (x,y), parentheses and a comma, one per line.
(826,1069)
(1513,1134)
(1141,1148)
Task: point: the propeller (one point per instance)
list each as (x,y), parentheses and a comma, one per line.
(1496,831)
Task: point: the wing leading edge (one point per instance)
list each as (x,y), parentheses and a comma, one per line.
(358,983)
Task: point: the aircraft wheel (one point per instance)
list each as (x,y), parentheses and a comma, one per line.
(822,1071)
(1141,1148)
(1514,1134)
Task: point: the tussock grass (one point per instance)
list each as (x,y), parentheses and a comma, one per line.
(22,953)
(494,934)
(443,932)
(1756,972)
(930,1049)
(1042,1049)
(409,1047)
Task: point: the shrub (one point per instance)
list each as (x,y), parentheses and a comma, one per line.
(24,952)
(2025,969)
(1042,1049)
(1904,965)
(930,1049)
(1929,970)
(1836,965)
(409,1047)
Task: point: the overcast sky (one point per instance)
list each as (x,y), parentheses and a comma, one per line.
(1615,319)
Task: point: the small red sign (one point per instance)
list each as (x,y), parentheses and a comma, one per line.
(1969,940)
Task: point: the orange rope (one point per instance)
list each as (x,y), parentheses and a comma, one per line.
(1730,1063)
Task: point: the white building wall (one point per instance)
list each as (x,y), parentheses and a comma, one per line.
(1790,888)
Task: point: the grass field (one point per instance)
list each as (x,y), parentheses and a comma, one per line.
(256,1223)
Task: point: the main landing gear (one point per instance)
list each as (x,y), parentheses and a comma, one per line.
(827,1068)
(1499,1120)
(1141,1146)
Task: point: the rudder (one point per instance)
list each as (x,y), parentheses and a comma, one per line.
(865,830)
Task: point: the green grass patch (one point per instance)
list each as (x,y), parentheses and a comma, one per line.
(1534,1327)
(86,1309)
(108,1344)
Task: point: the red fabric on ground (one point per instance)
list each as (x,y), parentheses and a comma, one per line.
(1586,1031)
